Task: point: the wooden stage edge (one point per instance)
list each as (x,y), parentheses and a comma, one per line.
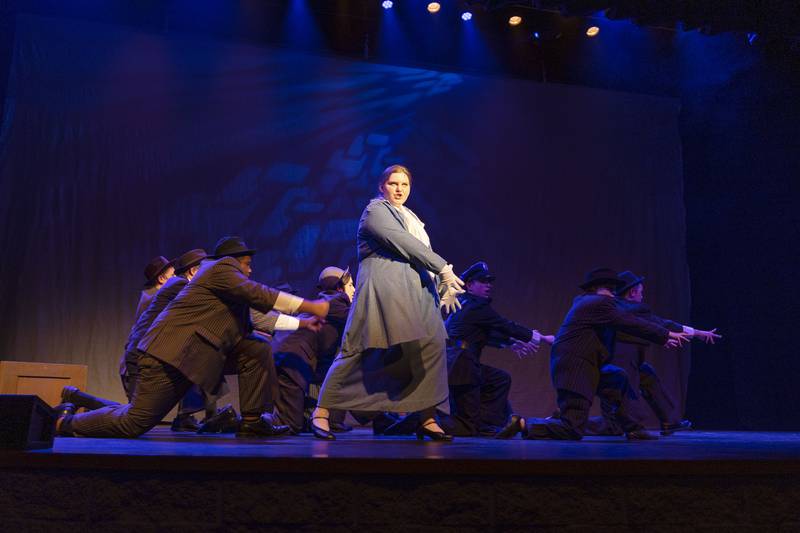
(693,453)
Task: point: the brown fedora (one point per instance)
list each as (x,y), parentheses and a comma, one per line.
(629,280)
(155,268)
(189,259)
(600,276)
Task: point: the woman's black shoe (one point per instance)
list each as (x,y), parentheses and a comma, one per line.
(320,433)
(441,436)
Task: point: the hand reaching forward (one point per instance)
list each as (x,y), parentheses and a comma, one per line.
(314,323)
(708,337)
(524,349)
(676,339)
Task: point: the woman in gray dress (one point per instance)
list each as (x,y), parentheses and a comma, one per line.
(393,355)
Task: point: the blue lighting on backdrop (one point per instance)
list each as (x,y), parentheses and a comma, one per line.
(300,27)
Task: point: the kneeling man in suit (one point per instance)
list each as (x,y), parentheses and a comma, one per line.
(203,333)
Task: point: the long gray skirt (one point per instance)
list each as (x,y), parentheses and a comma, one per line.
(407,377)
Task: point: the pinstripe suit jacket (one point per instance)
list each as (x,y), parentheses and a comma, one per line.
(206,320)
(583,343)
(144,319)
(162,298)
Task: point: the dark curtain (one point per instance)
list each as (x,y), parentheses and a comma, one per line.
(118,146)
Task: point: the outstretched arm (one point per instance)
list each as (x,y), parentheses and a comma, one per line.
(230,284)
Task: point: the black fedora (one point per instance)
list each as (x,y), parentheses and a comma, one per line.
(155,268)
(232,246)
(479,271)
(189,259)
(629,280)
(601,276)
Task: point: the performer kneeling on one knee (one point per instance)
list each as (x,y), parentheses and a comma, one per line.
(203,332)
(650,386)
(299,354)
(393,352)
(479,393)
(150,306)
(583,345)
(157,272)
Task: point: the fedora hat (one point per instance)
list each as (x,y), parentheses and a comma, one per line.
(189,259)
(629,280)
(331,276)
(155,268)
(479,271)
(600,276)
(232,246)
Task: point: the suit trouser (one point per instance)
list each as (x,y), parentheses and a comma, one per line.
(573,408)
(294,374)
(480,407)
(160,386)
(195,399)
(131,375)
(653,391)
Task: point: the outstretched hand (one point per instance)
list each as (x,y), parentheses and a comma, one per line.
(314,323)
(524,349)
(708,337)
(676,339)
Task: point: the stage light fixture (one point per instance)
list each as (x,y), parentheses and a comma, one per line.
(466,15)
(434,7)
(592,31)
(387,4)
(537,36)
(515,20)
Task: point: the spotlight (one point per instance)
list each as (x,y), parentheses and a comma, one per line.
(387,4)
(515,21)
(434,7)
(592,31)
(466,15)
(537,35)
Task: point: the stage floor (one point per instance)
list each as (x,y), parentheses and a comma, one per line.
(685,453)
(691,481)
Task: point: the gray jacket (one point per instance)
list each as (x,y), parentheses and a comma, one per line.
(395,299)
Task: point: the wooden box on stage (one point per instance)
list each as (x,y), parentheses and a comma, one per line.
(44,380)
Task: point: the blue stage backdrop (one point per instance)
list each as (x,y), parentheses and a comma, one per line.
(119,146)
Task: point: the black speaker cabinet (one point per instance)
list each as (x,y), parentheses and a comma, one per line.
(26,422)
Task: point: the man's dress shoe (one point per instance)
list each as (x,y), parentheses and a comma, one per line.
(263,427)
(513,427)
(224,421)
(185,423)
(669,429)
(641,434)
(64,412)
